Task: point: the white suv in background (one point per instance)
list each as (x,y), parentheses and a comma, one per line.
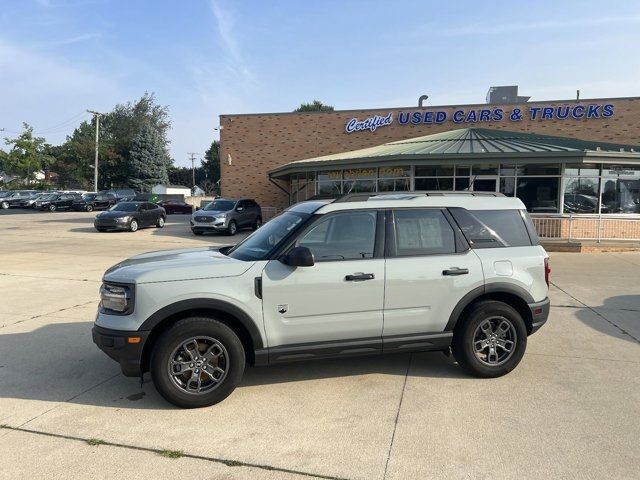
(364,274)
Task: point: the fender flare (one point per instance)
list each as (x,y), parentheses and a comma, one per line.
(473,295)
(206,303)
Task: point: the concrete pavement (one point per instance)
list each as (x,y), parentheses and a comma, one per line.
(570,410)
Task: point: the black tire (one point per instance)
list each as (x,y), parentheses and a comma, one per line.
(5,205)
(134,225)
(232,229)
(257,224)
(197,232)
(52,208)
(168,346)
(470,326)
(160,222)
(89,208)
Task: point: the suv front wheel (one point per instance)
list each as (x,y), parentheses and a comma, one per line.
(197,362)
(491,340)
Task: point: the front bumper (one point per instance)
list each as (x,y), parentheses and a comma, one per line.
(115,343)
(111,224)
(539,314)
(217,225)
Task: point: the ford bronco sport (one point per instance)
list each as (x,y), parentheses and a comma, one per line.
(364,274)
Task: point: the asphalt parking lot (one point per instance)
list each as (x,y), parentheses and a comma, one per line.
(570,410)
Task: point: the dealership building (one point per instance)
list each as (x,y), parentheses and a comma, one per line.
(564,158)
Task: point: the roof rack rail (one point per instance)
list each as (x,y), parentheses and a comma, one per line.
(407,194)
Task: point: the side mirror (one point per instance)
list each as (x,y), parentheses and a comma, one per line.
(299,257)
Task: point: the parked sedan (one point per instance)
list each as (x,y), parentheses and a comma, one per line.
(56,201)
(130,216)
(13,199)
(176,206)
(30,202)
(94,201)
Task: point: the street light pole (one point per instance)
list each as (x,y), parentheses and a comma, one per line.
(193,170)
(95,163)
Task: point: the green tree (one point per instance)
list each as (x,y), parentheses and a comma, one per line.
(211,162)
(147,160)
(315,106)
(27,154)
(120,128)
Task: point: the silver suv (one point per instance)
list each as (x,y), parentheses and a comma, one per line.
(227,216)
(417,271)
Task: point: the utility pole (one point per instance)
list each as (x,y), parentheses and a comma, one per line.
(95,162)
(192,155)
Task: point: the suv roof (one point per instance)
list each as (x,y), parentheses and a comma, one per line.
(464,199)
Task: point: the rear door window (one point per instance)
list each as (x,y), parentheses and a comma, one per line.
(423,232)
(492,228)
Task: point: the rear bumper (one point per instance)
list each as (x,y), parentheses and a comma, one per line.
(539,314)
(116,345)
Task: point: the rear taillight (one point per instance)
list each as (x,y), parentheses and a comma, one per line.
(547,270)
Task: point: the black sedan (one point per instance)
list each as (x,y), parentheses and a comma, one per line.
(176,206)
(130,216)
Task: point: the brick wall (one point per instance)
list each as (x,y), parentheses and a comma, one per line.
(260,142)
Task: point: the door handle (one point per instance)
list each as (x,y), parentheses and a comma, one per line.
(453,271)
(359,277)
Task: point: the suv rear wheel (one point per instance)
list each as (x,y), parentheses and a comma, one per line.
(197,362)
(89,208)
(491,340)
(257,224)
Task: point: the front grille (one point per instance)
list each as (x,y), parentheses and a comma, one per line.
(204,219)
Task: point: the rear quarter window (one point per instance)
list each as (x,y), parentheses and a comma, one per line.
(493,228)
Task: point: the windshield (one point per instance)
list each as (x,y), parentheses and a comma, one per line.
(49,196)
(124,207)
(261,242)
(220,205)
(88,197)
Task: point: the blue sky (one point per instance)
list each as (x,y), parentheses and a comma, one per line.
(207,57)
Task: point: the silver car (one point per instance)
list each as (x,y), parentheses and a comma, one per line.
(227,216)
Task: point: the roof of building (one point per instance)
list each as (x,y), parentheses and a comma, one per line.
(468,143)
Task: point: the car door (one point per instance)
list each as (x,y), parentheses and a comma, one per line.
(241,214)
(334,306)
(429,268)
(148,213)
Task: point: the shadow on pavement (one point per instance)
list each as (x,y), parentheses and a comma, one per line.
(59,363)
(623,312)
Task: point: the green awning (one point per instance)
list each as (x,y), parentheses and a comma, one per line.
(470,144)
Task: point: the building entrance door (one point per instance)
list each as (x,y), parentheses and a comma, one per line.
(485,184)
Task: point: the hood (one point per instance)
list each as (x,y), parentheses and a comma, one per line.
(173,265)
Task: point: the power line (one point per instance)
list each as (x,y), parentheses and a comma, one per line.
(64,124)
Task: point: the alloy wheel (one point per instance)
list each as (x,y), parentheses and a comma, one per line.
(198,365)
(494,341)
(134,225)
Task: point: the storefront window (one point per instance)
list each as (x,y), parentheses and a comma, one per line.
(463,170)
(620,195)
(394,172)
(462,183)
(539,194)
(582,170)
(360,173)
(580,195)
(485,169)
(434,171)
(508,186)
(434,183)
(358,186)
(329,187)
(393,184)
(533,169)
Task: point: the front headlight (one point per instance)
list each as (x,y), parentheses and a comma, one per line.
(123,219)
(117,299)
(222,216)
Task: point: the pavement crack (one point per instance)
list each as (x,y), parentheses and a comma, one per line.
(40,277)
(48,314)
(395,424)
(619,328)
(163,452)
